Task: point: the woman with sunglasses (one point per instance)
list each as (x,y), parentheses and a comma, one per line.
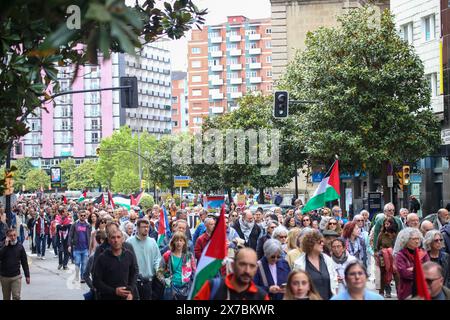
(356,279)
(272,271)
(433,243)
(280,233)
(333,225)
(405,248)
(306,222)
(318,265)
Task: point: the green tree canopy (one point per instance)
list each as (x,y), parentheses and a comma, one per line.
(374,97)
(84,176)
(36,179)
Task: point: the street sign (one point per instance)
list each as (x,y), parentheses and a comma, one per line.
(390,181)
(374,199)
(182,181)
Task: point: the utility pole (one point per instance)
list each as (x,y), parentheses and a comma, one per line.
(140,165)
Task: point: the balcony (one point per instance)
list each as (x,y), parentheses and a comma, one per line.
(235,52)
(216,54)
(217,68)
(235,80)
(255,80)
(216,40)
(236,66)
(255,65)
(216,96)
(216,109)
(235,95)
(254,37)
(253,51)
(235,38)
(217,82)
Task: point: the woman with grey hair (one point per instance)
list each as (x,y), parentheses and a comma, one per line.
(433,244)
(272,271)
(406,247)
(280,233)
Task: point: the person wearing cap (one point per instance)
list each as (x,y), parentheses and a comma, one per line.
(329,236)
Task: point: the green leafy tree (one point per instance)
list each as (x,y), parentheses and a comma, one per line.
(125,181)
(374,97)
(147,202)
(20,175)
(37,178)
(84,176)
(68,168)
(35,38)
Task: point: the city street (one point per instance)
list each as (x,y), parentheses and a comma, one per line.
(49,283)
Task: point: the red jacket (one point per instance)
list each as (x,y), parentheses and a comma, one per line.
(403,261)
(38,226)
(201,243)
(252,291)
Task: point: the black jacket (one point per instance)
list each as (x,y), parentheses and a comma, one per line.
(254,235)
(260,245)
(11,257)
(446,236)
(112,272)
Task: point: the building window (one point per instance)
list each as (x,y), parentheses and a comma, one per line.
(196,78)
(268,31)
(174,112)
(250,74)
(252,88)
(94,124)
(197,120)
(35,126)
(35,151)
(432,81)
(251,60)
(94,136)
(232,89)
(232,45)
(214,48)
(250,31)
(175,123)
(269,73)
(18,148)
(233,60)
(66,111)
(95,110)
(407,32)
(92,97)
(214,34)
(269,59)
(269,87)
(186,122)
(64,125)
(196,64)
(268,44)
(428,28)
(195,50)
(213,62)
(174,99)
(196,93)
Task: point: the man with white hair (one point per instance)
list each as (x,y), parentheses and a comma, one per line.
(403,216)
(412,220)
(247,229)
(439,219)
(389,211)
(365,214)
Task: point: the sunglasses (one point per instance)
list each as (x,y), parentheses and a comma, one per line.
(430,281)
(320,242)
(282,237)
(306,220)
(275,257)
(332,223)
(359,220)
(82,216)
(438,240)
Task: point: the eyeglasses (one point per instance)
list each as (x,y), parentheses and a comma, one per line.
(306,220)
(430,281)
(359,220)
(356,273)
(332,223)
(438,240)
(82,216)
(320,242)
(275,257)
(282,237)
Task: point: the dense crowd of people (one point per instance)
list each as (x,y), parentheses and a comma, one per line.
(272,254)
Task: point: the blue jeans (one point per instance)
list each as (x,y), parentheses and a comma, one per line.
(81,257)
(41,244)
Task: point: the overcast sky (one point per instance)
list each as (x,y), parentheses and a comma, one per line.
(218,10)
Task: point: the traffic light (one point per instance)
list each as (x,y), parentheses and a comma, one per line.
(400,179)
(281,104)
(129,96)
(406,174)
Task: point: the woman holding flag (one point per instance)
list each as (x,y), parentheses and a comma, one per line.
(408,259)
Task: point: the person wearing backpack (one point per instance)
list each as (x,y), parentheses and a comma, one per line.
(238,285)
(177,268)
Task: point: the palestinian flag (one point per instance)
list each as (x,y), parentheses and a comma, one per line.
(122,201)
(163,226)
(100,200)
(421,285)
(328,190)
(212,256)
(136,198)
(83,196)
(110,200)
(64,199)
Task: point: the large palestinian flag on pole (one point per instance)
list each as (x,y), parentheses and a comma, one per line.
(212,256)
(328,190)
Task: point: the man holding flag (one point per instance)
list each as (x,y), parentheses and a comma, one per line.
(236,286)
(328,190)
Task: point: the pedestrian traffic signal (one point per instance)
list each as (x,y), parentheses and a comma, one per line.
(281,104)
(406,174)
